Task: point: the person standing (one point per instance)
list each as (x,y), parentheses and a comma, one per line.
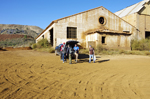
(76,48)
(63,52)
(91,54)
(69,51)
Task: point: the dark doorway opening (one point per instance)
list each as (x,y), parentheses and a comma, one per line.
(43,36)
(147,35)
(103,40)
(51,36)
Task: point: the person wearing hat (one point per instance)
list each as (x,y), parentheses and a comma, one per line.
(63,52)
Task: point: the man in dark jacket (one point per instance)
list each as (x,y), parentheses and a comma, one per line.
(69,51)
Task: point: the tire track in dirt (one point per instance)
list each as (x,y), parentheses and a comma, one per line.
(23,82)
(79,80)
(43,79)
(98,87)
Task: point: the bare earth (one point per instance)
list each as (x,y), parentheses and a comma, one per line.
(39,75)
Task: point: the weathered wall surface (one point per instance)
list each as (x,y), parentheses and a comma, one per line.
(146,10)
(89,21)
(131,19)
(147,23)
(143,24)
(111,41)
(47,34)
(140,20)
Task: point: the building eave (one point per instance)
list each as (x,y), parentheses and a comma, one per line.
(111,32)
(55,21)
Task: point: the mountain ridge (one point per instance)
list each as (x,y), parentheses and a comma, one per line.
(33,31)
(18,35)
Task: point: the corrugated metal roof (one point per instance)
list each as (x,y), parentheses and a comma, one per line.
(131,9)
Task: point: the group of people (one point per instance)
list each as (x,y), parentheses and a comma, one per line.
(68,51)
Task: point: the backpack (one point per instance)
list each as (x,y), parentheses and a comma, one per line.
(63,49)
(70,50)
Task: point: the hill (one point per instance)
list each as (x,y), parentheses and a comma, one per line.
(18,35)
(33,31)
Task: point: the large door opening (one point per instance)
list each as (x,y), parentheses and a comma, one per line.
(147,35)
(51,36)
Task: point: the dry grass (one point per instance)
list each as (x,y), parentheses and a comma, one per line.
(17,42)
(116,52)
(143,44)
(84,51)
(48,49)
(43,46)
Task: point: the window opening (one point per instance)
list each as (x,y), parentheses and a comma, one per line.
(101,20)
(71,32)
(103,40)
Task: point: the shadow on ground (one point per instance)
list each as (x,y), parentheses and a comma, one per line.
(85,58)
(1,49)
(101,61)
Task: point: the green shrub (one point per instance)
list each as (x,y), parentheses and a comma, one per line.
(51,50)
(34,46)
(141,45)
(25,36)
(147,53)
(16,42)
(84,51)
(121,51)
(105,52)
(99,48)
(43,43)
(133,53)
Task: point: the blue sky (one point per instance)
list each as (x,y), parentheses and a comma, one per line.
(42,12)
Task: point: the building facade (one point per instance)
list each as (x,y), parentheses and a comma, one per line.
(139,16)
(92,27)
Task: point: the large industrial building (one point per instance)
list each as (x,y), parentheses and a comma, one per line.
(139,16)
(100,26)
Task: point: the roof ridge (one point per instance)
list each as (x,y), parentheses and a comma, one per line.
(79,13)
(55,21)
(134,7)
(121,18)
(128,6)
(122,11)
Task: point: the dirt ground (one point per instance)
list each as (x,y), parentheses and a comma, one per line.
(39,75)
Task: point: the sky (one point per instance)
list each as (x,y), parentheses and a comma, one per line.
(42,12)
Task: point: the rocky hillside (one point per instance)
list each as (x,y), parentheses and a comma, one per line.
(33,31)
(15,40)
(18,35)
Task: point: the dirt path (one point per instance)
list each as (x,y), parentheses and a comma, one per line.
(37,75)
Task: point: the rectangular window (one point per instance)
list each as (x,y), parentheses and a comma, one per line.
(103,39)
(71,32)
